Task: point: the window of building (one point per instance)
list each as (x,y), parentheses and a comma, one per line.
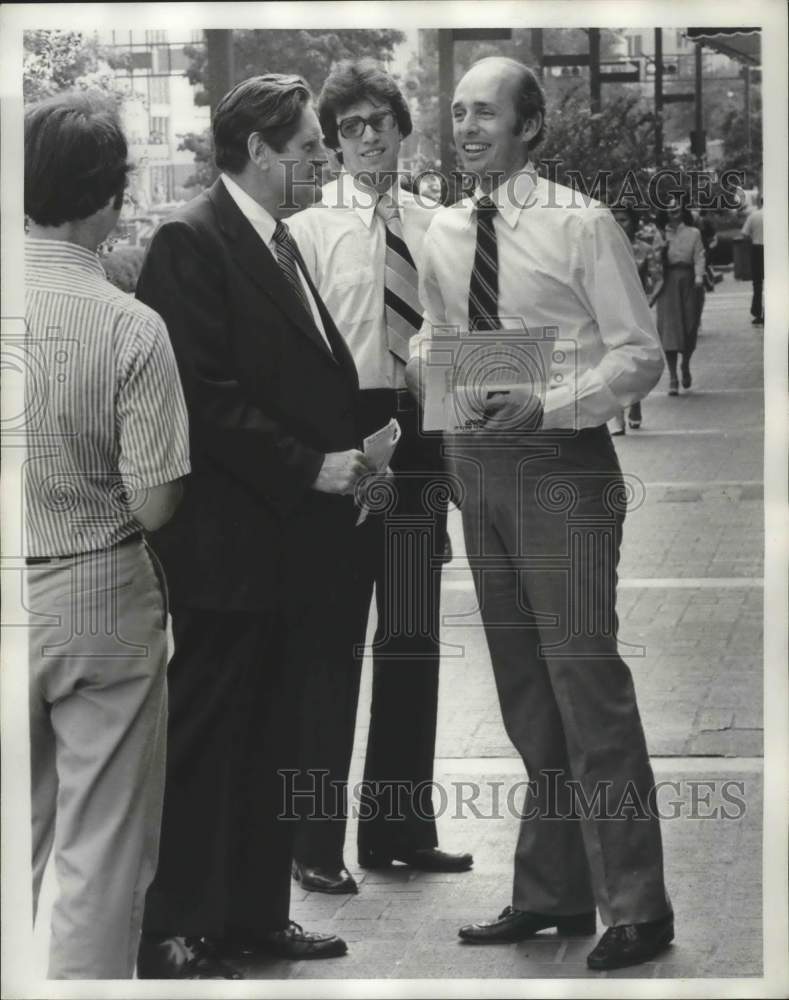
(141,59)
(160,131)
(159,89)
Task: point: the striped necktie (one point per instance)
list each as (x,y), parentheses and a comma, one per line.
(483,293)
(287,257)
(401,302)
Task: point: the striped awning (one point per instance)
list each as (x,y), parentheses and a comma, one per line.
(742,44)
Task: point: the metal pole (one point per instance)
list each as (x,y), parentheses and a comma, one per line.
(537,49)
(446,87)
(699,117)
(594,69)
(658,96)
(748,110)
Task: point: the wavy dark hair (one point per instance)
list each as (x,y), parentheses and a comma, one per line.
(270,104)
(352,81)
(75,158)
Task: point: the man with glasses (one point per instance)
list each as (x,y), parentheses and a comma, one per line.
(362,246)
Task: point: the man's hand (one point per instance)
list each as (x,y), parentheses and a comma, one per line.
(341,471)
(512,411)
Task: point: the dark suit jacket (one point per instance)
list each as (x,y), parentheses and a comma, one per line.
(266,399)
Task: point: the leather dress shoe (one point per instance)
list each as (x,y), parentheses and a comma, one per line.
(181,958)
(291,942)
(631,944)
(317,879)
(687,380)
(424,859)
(517,925)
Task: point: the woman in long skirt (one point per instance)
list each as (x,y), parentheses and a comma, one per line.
(678,297)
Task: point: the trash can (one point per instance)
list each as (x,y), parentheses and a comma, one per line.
(741,248)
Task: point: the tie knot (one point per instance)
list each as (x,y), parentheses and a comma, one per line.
(387,208)
(281,232)
(485,208)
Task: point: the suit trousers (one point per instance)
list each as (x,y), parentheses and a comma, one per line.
(397,552)
(224,857)
(543,519)
(98,704)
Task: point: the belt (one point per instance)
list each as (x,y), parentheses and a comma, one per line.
(402,398)
(42,560)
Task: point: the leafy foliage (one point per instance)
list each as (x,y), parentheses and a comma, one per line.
(309,53)
(54,61)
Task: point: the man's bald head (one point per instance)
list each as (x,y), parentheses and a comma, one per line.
(524,87)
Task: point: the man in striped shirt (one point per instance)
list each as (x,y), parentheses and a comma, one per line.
(107,443)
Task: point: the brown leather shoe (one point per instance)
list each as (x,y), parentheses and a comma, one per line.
(424,859)
(317,879)
(291,942)
(181,958)
(517,925)
(631,944)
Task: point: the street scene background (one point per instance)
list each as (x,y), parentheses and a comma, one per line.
(691,585)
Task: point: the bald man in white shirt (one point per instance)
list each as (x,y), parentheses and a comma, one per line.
(543,515)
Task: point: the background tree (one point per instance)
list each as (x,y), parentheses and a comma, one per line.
(54,61)
(311,54)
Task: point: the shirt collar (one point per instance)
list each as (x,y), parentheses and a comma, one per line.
(44,254)
(262,220)
(363,200)
(511,196)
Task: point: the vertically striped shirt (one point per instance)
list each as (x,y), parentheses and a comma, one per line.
(106,413)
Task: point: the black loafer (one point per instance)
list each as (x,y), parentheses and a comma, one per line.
(517,925)
(317,879)
(424,859)
(181,958)
(292,942)
(631,944)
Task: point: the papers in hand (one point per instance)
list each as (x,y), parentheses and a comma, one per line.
(460,370)
(379,448)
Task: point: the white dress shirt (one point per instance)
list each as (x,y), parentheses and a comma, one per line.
(754,227)
(264,225)
(343,243)
(563,262)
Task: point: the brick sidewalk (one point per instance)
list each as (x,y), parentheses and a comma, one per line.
(690,605)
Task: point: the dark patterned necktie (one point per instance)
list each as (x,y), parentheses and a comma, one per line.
(401,300)
(483,293)
(287,256)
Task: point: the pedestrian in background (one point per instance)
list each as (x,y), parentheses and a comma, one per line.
(648,272)
(105,452)
(683,263)
(753,230)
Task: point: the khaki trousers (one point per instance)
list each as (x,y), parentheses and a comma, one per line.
(98,704)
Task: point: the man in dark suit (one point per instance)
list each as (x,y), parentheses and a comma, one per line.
(255,558)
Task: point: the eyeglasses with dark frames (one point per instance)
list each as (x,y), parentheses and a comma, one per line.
(380,121)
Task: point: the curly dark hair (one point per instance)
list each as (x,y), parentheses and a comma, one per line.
(75,158)
(352,81)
